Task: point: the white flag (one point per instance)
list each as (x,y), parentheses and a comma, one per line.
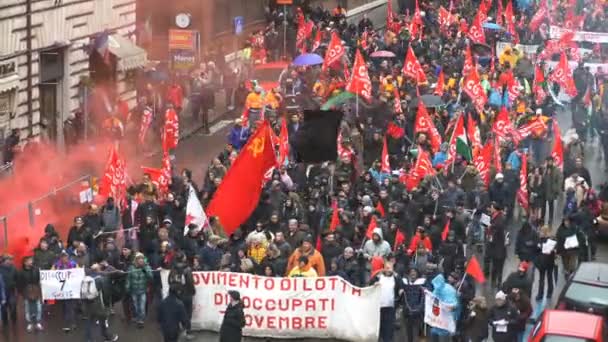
(194,212)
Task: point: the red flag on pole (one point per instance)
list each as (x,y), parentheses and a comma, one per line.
(440,82)
(283,143)
(412,67)
(114,182)
(335,51)
(360,83)
(538,85)
(146,120)
(397,102)
(510,21)
(472,87)
(335,219)
(385,165)
(380,209)
(476,34)
(446,230)
(499,13)
(475,271)
(497,157)
(522,192)
(468,65)
(171,130)
(473,132)
(482,162)
(558,150)
(424,124)
(317,42)
(389,15)
(239,193)
(502,126)
(562,75)
(370,228)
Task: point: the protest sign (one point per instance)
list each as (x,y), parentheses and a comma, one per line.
(438,314)
(324,307)
(61,284)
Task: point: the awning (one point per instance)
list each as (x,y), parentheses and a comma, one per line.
(129,55)
(9,83)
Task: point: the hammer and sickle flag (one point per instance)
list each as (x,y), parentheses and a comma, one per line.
(239,193)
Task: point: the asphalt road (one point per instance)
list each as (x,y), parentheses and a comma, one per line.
(195,153)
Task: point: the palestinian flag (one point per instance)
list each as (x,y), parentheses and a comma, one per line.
(459,144)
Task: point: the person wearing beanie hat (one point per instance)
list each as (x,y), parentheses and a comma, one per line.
(519,280)
(315,259)
(233,323)
(502,319)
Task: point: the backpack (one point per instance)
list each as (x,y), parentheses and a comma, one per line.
(177,281)
(88,288)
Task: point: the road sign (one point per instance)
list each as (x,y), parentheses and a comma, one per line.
(239,23)
(284,2)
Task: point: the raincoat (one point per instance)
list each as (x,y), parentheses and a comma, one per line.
(446,293)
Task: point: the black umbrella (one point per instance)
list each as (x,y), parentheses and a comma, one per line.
(430,101)
(481,49)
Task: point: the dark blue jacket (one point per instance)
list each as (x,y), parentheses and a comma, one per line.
(2,293)
(414,297)
(172,314)
(210,258)
(238,137)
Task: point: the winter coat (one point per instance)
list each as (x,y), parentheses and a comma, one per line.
(510,314)
(2,290)
(99,308)
(83,235)
(447,294)
(9,275)
(110,218)
(476,324)
(496,240)
(414,297)
(544,261)
(315,260)
(210,257)
(351,268)
(138,279)
(524,307)
(28,283)
(44,259)
(185,281)
(499,193)
(526,243)
(171,314)
(372,249)
(553,183)
(563,233)
(517,281)
(233,323)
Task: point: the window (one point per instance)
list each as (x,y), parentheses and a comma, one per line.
(584,293)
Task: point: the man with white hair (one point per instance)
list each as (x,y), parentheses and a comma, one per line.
(502,319)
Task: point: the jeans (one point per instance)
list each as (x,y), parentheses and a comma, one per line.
(548,273)
(188,306)
(9,309)
(493,268)
(412,327)
(387,324)
(33,310)
(68,308)
(103,326)
(139,306)
(551,205)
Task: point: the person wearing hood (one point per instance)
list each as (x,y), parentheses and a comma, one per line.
(182,282)
(28,285)
(499,191)
(391,290)
(503,319)
(413,303)
(519,280)
(172,316)
(52,238)
(315,259)
(9,275)
(377,246)
(476,323)
(110,216)
(233,323)
(448,295)
(526,243)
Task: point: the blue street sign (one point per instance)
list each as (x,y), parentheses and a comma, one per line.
(239,23)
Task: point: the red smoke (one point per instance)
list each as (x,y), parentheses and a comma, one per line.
(40,172)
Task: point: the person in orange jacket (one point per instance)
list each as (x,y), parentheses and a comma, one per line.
(420,236)
(315,259)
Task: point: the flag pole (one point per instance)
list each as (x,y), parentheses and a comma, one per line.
(357,106)
(462,281)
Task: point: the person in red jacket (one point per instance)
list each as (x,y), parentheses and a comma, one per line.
(419,237)
(175,95)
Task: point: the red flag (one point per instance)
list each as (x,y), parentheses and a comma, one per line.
(444,18)
(239,193)
(538,85)
(343,153)
(283,143)
(399,239)
(440,82)
(171,130)
(416,24)
(370,228)
(558,150)
(446,230)
(397,102)
(510,21)
(538,18)
(562,75)
(319,244)
(522,192)
(482,162)
(468,65)
(394,131)
(537,125)
(476,34)
(114,180)
(499,12)
(424,124)
(412,67)
(502,124)
(497,157)
(474,269)
(380,209)
(513,89)
(385,166)
(482,11)
(421,169)
(335,219)
(335,51)
(390,17)
(317,42)
(360,83)
(146,120)
(472,86)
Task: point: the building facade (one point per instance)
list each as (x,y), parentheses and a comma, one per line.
(46,60)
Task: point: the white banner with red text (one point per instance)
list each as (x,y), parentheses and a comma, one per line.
(555,32)
(438,314)
(324,307)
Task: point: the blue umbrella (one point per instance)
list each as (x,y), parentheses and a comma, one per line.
(492,26)
(308,59)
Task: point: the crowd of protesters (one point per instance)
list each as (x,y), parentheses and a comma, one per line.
(289,232)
